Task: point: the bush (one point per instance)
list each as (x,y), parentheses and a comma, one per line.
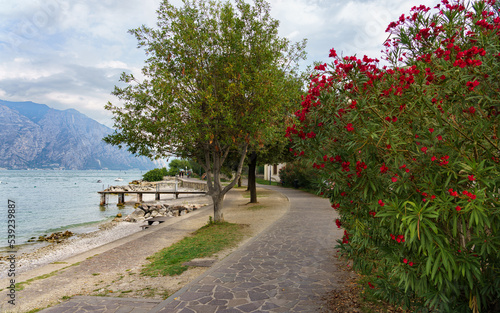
(297,174)
(412,152)
(156,174)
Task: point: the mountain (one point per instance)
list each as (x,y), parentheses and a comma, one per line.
(33,135)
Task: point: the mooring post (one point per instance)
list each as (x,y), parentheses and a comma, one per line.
(121,198)
(103,199)
(157,196)
(139,197)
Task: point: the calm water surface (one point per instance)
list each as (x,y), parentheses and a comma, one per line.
(48,201)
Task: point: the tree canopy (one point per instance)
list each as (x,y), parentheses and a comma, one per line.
(215,79)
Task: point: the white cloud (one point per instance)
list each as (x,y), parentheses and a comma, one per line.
(70,54)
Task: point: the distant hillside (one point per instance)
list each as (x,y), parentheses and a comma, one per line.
(34,135)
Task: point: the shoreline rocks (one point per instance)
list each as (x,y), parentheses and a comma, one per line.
(56,237)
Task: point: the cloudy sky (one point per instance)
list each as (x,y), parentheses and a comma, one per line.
(70,53)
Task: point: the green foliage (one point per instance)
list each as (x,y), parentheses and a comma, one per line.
(215,81)
(175,165)
(156,174)
(297,174)
(410,156)
(210,239)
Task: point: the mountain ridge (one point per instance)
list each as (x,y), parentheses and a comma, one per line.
(33,135)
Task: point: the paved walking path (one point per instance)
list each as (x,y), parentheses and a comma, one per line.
(287,268)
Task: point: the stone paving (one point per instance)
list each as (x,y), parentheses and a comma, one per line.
(83,304)
(287,268)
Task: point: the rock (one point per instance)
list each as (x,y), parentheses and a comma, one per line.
(170,214)
(119,215)
(158,206)
(137,213)
(147,215)
(154,213)
(175,213)
(183,212)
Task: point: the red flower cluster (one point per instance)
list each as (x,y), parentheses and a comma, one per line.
(381,202)
(469,194)
(383,169)
(405,261)
(472,85)
(345,239)
(453,193)
(360,166)
(338,223)
(399,238)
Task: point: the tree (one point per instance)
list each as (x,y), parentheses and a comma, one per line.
(212,83)
(176,165)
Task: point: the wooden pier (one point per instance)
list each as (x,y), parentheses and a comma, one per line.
(121,194)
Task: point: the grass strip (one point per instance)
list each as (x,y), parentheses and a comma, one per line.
(266,182)
(204,242)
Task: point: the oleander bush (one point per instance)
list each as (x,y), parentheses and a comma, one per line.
(298,174)
(410,153)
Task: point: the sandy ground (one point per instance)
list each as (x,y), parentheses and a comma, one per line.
(86,266)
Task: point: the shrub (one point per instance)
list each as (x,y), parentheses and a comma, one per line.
(412,153)
(156,174)
(297,174)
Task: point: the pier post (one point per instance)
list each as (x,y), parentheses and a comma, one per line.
(139,197)
(121,198)
(157,196)
(103,199)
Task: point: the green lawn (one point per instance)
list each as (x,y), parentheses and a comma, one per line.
(206,241)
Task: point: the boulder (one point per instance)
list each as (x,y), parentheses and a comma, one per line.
(154,213)
(147,215)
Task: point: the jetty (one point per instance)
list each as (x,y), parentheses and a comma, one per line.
(159,189)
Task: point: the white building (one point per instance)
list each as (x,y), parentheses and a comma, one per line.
(273,171)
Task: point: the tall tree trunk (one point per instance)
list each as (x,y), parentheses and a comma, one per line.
(252,165)
(239,182)
(218,200)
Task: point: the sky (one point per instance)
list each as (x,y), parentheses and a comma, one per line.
(71,53)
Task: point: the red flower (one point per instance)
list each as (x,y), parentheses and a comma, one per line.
(333,53)
(338,223)
(383,169)
(424,149)
(458,208)
(388,146)
(411,263)
(433,158)
(472,110)
(371,285)
(471,177)
(431,130)
(405,261)
(394,179)
(439,137)
(472,84)
(381,202)
(349,127)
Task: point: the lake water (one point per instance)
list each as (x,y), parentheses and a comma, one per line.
(48,201)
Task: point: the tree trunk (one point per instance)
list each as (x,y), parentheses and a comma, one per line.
(239,182)
(218,201)
(252,165)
